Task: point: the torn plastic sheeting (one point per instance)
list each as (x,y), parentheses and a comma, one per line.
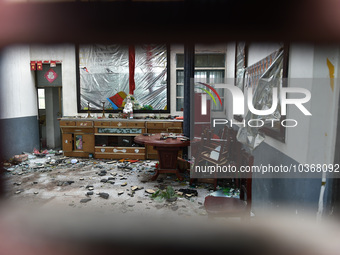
(240,64)
(104,71)
(262,100)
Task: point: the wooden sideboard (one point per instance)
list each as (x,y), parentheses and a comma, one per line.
(112,138)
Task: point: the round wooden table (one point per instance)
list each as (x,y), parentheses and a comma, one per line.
(167,152)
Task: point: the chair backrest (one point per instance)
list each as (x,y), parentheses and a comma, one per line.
(228,145)
(246,159)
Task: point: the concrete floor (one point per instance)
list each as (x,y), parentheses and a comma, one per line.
(58,181)
(42,214)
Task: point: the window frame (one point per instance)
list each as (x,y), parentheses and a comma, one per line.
(79,110)
(197,69)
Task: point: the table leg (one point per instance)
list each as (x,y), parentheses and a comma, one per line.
(167,161)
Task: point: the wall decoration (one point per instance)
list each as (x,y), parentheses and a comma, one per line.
(51,75)
(33,66)
(39,66)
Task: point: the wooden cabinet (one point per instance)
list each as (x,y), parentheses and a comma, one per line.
(66,123)
(78,139)
(116,140)
(67,142)
(111,139)
(160,127)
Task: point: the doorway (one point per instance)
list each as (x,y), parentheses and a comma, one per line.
(49,86)
(49,111)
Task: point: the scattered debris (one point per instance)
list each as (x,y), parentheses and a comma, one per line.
(189,192)
(85,200)
(20,158)
(102,173)
(74,161)
(104,195)
(111,162)
(42,175)
(64,183)
(150,191)
(40,153)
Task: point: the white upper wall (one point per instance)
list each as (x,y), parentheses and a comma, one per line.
(16,70)
(18,96)
(300,73)
(66,54)
(325,107)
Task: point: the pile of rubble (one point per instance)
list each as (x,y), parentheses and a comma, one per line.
(119,185)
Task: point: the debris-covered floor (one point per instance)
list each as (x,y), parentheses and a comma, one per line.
(113,191)
(117,186)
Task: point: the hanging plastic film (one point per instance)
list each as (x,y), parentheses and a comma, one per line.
(104,76)
(240,64)
(262,85)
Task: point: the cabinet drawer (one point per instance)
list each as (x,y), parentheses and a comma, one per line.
(175,130)
(155,131)
(120,150)
(84,123)
(77,130)
(155,125)
(118,124)
(173,124)
(66,123)
(102,124)
(135,124)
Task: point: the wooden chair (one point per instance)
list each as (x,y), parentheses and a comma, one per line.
(222,148)
(216,151)
(232,206)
